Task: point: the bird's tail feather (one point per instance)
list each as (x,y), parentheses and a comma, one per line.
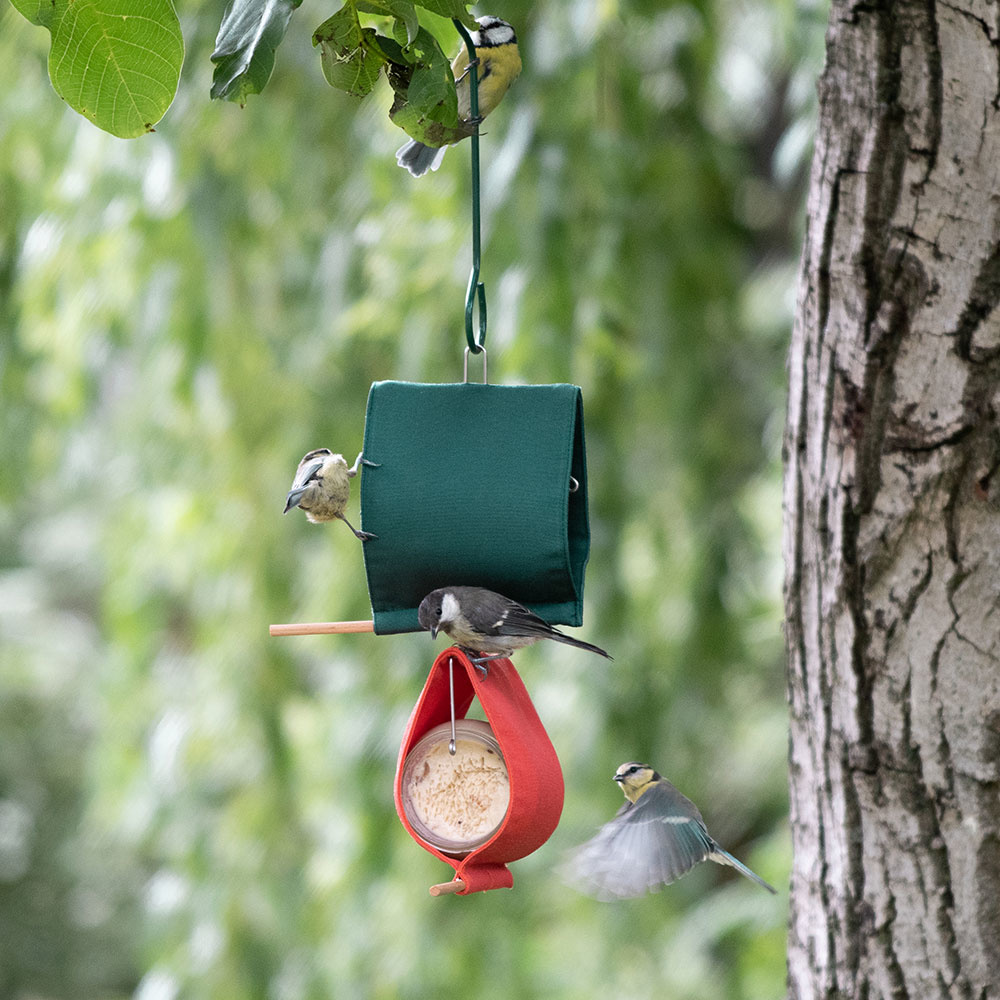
(418,158)
(580,644)
(293,499)
(725,858)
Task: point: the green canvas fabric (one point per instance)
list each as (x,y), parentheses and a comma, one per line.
(472,487)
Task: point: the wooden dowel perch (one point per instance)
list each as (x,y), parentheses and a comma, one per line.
(322,628)
(446,888)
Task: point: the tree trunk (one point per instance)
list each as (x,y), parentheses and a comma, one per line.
(892,514)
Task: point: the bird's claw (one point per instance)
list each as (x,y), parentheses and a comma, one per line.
(479,662)
(468,69)
(361,460)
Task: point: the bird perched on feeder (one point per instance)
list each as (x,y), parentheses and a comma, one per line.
(657,836)
(488,623)
(322,486)
(499,63)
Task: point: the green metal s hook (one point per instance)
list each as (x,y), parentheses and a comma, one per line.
(476,292)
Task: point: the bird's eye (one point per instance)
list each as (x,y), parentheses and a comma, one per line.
(438,612)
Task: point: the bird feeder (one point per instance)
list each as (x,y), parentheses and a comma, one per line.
(534,783)
(481,485)
(475,484)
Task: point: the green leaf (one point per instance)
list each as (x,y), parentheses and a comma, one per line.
(430,91)
(401,33)
(342,30)
(250,32)
(393,52)
(38,12)
(116,62)
(426,107)
(404,13)
(350,55)
(450,8)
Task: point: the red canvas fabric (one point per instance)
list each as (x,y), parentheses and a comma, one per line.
(536,782)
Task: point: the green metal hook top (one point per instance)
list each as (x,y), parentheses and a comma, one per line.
(476,290)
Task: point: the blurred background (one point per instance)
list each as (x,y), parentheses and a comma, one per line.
(189,808)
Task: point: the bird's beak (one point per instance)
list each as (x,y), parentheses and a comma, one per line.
(434,632)
(619,778)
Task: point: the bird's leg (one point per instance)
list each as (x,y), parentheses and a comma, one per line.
(465,72)
(477,120)
(365,536)
(479,661)
(361,460)
(476,660)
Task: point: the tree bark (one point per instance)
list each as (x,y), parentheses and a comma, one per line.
(892,514)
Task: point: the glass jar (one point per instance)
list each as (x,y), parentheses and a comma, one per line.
(455,802)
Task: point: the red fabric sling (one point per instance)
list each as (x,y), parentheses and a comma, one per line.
(534,774)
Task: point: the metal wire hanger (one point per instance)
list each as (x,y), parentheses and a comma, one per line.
(476,291)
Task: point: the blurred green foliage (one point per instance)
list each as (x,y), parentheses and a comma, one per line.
(189,808)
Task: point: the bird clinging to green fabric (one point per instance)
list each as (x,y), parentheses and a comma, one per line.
(322,487)
(657,836)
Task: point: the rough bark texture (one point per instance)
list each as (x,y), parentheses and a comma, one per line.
(892,513)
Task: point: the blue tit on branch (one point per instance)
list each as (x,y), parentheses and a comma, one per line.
(322,487)
(488,623)
(499,63)
(657,836)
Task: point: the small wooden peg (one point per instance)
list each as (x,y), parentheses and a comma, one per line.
(446,888)
(322,628)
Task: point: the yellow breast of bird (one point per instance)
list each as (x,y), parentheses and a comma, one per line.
(498,69)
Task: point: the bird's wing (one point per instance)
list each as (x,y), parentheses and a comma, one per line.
(651,843)
(304,475)
(306,472)
(507,617)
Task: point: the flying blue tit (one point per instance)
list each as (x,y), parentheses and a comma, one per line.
(496,50)
(322,487)
(657,836)
(488,623)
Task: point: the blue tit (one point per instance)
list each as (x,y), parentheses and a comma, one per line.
(322,487)
(657,836)
(488,623)
(499,65)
